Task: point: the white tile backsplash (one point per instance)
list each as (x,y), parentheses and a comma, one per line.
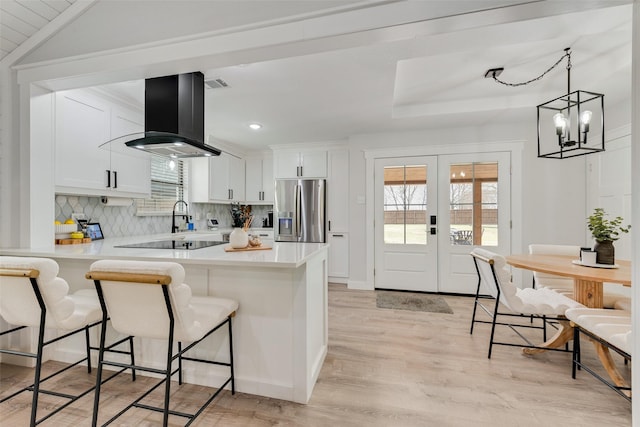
(119,221)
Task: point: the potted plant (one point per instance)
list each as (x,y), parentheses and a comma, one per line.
(605,232)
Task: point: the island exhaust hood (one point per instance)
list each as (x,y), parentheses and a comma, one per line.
(174,118)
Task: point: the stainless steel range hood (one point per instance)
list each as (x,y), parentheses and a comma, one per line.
(173,118)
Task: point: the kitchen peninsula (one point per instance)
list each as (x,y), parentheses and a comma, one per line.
(280,330)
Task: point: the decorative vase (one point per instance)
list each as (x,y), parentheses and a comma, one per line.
(238,238)
(605,252)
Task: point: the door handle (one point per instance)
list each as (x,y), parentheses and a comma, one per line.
(108,178)
(338,235)
(115,179)
(298,206)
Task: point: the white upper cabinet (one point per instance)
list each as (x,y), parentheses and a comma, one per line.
(130,168)
(85,121)
(217,179)
(259,180)
(300,164)
(338,191)
(81,125)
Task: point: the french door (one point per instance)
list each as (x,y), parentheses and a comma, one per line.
(406,197)
(431,211)
(475,210)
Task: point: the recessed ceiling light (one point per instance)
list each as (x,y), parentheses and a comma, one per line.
(255,126)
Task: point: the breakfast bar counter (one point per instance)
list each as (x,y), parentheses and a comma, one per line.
(280,330)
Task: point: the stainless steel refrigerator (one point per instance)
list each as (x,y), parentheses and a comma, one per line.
(299,212)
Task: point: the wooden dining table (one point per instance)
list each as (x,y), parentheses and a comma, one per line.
(588,289)
(587,281)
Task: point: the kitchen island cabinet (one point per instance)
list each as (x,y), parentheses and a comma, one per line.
(280,330)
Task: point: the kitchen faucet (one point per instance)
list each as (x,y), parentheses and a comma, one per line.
(174,227)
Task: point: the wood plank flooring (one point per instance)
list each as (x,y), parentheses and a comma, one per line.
(384,368)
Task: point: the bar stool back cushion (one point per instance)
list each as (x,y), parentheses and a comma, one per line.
(19,306)
(139,309)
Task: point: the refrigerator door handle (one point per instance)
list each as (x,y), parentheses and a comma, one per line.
(298,205)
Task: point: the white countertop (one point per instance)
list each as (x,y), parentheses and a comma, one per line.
(281,254)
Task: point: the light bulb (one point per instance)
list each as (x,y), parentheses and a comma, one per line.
(561,122)
(585,119)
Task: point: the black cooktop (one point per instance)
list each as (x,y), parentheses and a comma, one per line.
(173,244)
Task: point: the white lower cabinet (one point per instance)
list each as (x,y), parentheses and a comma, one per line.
(338,255)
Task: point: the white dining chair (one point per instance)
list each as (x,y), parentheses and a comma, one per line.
(564,285)
(148,299)
(544,304)
(33,296)
(608,330)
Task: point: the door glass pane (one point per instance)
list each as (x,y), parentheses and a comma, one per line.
(405,204)
(473,204)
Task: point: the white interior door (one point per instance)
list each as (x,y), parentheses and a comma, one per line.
(475,210)
(406,197)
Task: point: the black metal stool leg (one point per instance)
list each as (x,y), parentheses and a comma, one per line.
(233,377)
(133,359)
(38,371)
(179,363)
(88,344)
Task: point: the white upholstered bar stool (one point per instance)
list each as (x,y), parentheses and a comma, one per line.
(149,299)
(33,296)
(564,285)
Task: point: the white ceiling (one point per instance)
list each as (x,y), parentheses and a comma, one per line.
(21,19)
(423,68)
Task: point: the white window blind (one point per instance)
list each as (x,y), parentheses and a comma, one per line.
(168,185)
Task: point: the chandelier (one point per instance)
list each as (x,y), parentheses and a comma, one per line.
(564,123)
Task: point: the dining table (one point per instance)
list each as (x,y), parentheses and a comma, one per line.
(588,289)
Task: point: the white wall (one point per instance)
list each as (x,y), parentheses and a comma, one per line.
(553,191)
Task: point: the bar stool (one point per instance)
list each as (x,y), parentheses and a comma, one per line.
(32,295)
(148,299)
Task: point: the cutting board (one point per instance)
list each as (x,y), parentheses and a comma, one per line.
(248,248)
(73,241)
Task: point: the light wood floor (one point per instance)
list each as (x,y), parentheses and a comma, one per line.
(384,368)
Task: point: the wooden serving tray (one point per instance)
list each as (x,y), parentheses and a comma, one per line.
(73,241)
(248,248)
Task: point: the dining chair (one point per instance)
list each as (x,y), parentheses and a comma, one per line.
(149,299)
(608,330)
(564,285)
(33,296)
(544,304)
